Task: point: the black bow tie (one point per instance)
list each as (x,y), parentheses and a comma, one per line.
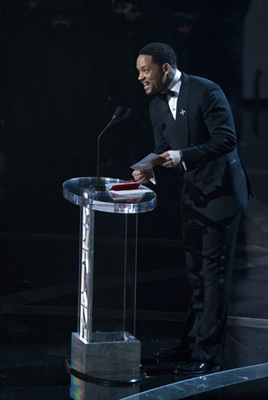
(168,93)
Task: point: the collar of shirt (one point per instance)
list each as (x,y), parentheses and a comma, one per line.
(175,84)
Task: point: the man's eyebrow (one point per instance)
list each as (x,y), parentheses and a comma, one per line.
(143,67)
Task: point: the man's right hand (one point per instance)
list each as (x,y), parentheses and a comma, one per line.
(142,175)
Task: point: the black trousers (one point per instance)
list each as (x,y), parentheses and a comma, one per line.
(209,251)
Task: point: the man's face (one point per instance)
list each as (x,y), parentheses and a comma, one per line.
(152,76)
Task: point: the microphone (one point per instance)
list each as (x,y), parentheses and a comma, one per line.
(115,119)
(117,113)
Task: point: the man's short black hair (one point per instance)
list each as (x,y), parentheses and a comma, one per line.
(161,53)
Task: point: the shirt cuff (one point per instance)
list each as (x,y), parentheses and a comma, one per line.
(177,158)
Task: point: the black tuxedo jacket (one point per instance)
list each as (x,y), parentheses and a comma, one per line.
(215,184)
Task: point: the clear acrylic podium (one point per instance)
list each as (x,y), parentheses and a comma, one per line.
(105,355)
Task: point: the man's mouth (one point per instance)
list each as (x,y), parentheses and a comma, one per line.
(146,85)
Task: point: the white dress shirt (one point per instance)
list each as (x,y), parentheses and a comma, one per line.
(175,86)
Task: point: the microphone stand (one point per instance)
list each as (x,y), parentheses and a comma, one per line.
(115,119)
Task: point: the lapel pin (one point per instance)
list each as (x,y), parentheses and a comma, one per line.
(182,112)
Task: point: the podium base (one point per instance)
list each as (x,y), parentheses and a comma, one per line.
(110,355)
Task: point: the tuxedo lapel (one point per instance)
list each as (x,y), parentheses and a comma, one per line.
(175,132)
(182,117)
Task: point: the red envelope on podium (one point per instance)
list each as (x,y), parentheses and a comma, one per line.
(132,185)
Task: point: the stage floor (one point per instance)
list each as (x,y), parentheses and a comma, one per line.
(34,348)
(38,316)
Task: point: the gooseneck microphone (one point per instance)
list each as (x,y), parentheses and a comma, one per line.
(117,117)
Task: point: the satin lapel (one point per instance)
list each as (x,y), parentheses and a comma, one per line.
(182,117)
(164,115)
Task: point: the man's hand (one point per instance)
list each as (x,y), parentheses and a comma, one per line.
(142,175)
(172,158)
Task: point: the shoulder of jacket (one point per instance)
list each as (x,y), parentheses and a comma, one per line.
(200,82)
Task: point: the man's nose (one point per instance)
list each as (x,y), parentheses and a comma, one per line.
(140,77)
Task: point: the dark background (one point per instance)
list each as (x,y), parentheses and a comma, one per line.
(65,67)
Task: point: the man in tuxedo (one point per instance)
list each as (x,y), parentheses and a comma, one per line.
(194,130)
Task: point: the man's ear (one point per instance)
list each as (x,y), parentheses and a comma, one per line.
(166,68)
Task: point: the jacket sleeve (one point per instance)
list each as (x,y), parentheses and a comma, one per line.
(217,116)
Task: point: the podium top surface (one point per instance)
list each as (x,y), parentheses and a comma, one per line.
(79,191)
